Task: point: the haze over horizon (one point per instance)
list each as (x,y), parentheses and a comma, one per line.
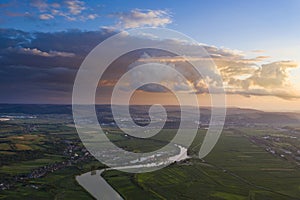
(44,42)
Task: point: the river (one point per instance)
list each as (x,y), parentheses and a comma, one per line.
(96,185)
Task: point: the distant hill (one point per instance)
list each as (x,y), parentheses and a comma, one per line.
(35,109)
(234,115)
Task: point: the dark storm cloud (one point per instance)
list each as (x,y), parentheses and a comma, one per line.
(41,67)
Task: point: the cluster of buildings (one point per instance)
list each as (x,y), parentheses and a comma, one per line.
(74,154)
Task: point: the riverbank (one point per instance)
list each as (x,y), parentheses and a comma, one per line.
(97,186)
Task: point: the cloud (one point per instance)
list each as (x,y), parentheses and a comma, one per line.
(140,18)
(24,84)
(258,51)
(46,16)
(75,6)
(241,75)
(18,14)
(71,10)
(55,5)
(285,94)
(42,66)
(40,4)
(269,77)
(38,52)
(273,74)
(92,16)
(169,78)
(249,77)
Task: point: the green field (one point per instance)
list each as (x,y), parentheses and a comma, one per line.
(58,185)
(27,166)
(22,152)
(235,169)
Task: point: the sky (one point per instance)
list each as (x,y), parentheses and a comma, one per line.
(254,44)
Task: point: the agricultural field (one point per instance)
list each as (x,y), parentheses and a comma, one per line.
(38,162)
(40,157)
(236,169)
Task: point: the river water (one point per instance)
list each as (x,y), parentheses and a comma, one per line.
(100,189)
